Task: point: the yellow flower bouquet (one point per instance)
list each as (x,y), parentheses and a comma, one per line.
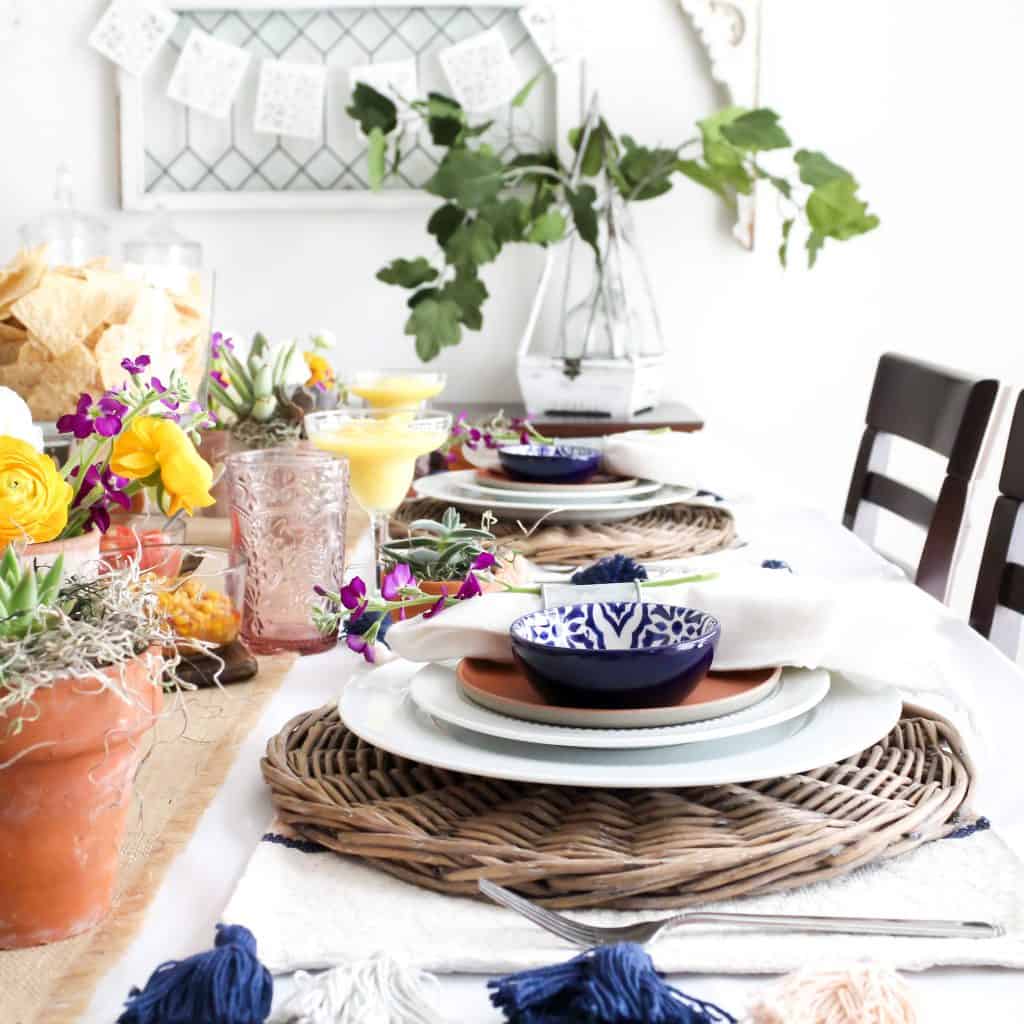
(138,436)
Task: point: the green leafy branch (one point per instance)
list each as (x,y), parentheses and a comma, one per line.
(532,199)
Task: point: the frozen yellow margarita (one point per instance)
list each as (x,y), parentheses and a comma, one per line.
(381,455)
(396,390)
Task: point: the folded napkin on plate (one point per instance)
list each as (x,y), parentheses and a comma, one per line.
(878,633)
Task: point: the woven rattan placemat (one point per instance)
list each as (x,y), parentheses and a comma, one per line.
(672,531)
(627,849)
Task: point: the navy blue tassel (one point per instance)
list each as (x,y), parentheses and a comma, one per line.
(776,563)
(224,985)
(365,621)
(607,985)
(612,569)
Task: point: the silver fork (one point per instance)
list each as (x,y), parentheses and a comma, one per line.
(590,935)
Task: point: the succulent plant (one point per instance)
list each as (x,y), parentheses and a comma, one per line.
(26,594)
(444,550)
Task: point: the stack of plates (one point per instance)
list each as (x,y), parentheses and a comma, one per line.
(484,719)
(601,499)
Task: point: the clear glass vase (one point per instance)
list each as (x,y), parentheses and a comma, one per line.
(608,309)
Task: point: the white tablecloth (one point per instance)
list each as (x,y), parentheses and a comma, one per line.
(181,919)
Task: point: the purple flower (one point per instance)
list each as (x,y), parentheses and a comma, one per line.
(524,438)
(474,439)
(519,422)
(135,366)
(319,591)
(102,417)
(353,596)
(356,643)
(470,588)
(111,484)
(219,378)
(157,385)
(218,343)
(484,560)
(438,605)
(394,581)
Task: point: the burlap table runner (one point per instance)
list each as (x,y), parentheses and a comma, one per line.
(192,749)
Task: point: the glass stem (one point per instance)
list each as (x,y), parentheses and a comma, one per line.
(379,531)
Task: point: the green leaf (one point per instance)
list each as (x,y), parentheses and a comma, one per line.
(581,202)
(815,240)
(443,222)
(435,325)
(472,243)
(372,109)
(816,169)
(524,94)
(376,158)
(787,227)
(473,131)
(407,273)
(417,297)
(835,211)
(779,184)
(646,171)
(549,227)
(708,177)
(718,151)
(469,293)
(546,159)
(470,177)
(507,217)
(756,130)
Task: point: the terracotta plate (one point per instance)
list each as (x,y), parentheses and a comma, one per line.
(506,690)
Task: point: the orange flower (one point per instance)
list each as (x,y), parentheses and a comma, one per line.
(321,373)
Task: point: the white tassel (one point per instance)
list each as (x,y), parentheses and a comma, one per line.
(861,994)
(378,990)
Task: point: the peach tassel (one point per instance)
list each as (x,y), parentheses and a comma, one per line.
(860,994)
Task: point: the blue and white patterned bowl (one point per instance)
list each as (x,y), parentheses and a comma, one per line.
(615,654)
(549,463)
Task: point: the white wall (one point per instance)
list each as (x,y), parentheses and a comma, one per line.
(915,96)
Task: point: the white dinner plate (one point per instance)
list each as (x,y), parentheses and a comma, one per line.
(449,488)
(847,721)
(436,691)
(639,489)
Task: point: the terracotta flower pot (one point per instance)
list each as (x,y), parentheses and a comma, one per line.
(65,792)
(77,552)
(434,587)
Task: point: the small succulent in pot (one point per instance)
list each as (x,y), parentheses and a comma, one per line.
(26,593)
(444,550)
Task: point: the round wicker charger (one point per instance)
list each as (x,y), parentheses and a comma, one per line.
(672,531)
(628,849)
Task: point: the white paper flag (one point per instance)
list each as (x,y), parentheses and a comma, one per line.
(550,29)
(395,79)
(481,71)
(208,74)
(132,31)
(290,100)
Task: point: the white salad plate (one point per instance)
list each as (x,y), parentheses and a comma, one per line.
(622,485)
(435,690)
(449,488)
(639,489)
(847,721)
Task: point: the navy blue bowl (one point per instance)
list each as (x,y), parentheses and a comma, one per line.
(549,463)
(615,654)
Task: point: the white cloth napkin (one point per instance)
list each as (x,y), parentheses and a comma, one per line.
(877,633)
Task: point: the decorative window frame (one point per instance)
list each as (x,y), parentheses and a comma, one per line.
(568,103)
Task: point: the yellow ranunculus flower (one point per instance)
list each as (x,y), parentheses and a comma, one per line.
(321,373)
(34,497)
(151,444)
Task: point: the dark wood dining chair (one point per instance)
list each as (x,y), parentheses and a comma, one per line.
(945,412)
(1000,581)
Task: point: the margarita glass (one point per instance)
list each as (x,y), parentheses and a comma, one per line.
(382,446)
(394,389)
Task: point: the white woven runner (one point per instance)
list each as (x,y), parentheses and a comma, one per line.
(316,909)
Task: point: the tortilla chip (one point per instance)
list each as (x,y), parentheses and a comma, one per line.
(117,342)
(62,311)
(48,402)
(10,334)
(122,293)
(9,352)
(20,276)
(90,340)
(75,371)
(28,370)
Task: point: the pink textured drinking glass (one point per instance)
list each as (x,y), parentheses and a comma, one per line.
(288,520)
